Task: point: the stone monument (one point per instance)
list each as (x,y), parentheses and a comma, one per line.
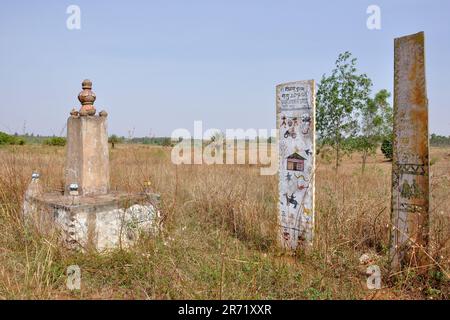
(87,163)
(410,168)
(87,213)
(295,103)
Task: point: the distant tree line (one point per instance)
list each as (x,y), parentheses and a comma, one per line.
(7,139)
(439,141)
(159,141)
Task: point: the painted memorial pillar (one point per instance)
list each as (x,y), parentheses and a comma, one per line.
(295,103)
(410,168)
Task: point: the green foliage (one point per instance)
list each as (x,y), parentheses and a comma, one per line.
(377,117)
(30,138)
(376,124)
(433,161)
(340,97)
(4,138)
(362,144)
(55,141)
(11,140)
(317,291)
(386,148)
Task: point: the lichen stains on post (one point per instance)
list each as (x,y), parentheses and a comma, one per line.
(410,169)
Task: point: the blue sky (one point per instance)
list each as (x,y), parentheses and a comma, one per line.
(160,65)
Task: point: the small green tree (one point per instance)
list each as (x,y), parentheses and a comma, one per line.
(376,124)
(339,98)
(113,139)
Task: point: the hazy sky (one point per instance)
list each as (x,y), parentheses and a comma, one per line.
(160,65)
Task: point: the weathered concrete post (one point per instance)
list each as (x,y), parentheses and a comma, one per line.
(410,168)
(87,214)
(87,163)
(295,103)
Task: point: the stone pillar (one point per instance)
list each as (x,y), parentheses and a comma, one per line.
(87,163)
(295,102)
(88,215)
(410,168)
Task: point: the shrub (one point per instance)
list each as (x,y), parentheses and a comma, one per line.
(19,141)
(8,139)
(386,148)
(4,138)
(55,141)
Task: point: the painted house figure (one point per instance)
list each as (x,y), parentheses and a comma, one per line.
(295,162)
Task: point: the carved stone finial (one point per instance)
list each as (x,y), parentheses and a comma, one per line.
(103,113)
(87,98)
(86,84)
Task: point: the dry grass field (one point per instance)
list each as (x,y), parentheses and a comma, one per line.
(219,237)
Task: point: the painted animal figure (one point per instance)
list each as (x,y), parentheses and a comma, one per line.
(301,176)
(306,120)
(283,124)
(291,200)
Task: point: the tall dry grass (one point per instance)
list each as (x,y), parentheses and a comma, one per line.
(220,230)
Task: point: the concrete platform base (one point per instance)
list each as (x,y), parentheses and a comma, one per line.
(100,222)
